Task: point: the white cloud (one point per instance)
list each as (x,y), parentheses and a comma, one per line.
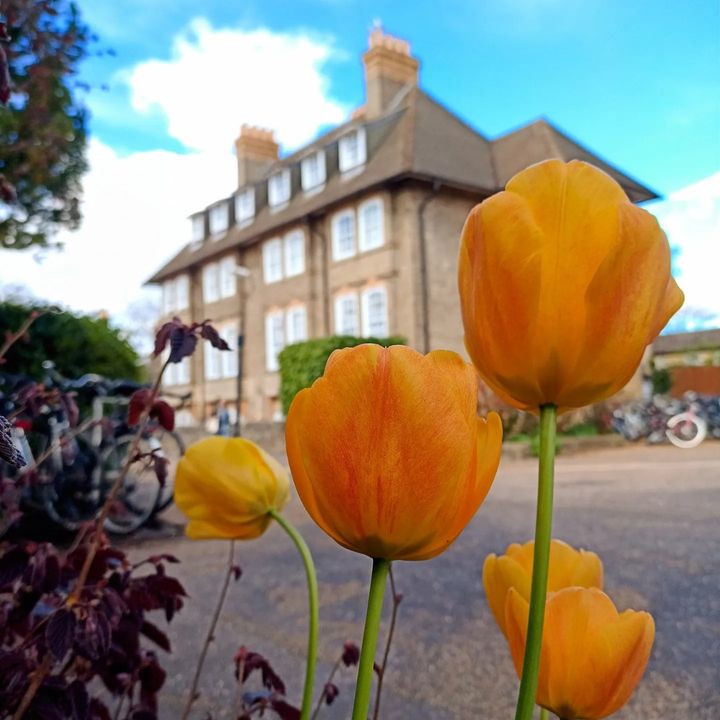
(134,218)
(135,206)
(691,218)
(220,78)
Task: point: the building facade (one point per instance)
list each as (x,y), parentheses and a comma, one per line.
(356,233)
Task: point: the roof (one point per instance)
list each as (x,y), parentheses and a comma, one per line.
(416,137)
(687,342)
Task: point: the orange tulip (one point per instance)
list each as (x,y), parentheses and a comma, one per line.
(563,284)
(226,486)
(387,452)
(592,656)
(568,567)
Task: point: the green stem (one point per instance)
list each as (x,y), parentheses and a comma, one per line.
(376,595)
(541,561)
(544,714)
(302,547)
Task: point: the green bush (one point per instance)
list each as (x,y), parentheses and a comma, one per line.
(302,363)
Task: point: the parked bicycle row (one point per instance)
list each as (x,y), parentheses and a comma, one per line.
(75,438)
(685,422)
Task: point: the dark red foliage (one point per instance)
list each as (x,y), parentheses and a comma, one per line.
(99,637)
(183,338)
(159,409)
(351,654)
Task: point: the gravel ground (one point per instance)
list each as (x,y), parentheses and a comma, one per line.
(652,514)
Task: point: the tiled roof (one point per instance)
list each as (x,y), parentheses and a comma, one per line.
(687,342)
(417,136)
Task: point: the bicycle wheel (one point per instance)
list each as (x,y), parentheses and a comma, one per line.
(172,447)
(686,430)
(72,497)
(138,495)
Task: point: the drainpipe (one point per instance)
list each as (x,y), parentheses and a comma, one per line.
(424,285)
(319,232)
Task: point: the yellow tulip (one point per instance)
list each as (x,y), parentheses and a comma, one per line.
(563,284)
(226,486)
(568,567)
(387,452)
(592,656)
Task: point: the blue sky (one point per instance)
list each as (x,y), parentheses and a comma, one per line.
(636,82)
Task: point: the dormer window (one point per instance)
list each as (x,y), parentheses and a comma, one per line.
(198,229)
(245,206)
(352,150)
(312,170)
(218,219)
(279,188)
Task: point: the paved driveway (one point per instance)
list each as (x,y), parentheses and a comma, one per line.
(652,514)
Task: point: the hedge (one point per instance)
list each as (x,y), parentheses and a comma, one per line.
(302,363)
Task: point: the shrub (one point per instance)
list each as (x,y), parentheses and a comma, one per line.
(302,363)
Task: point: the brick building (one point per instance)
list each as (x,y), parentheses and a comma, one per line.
(355,233)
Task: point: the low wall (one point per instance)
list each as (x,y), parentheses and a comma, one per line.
(270,436)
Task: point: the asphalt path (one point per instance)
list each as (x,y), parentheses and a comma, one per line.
(651,513)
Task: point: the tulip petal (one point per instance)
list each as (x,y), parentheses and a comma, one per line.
(387,453)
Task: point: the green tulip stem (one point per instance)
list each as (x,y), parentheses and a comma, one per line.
(312,645)
(544,714)
(380,570)
(541,562)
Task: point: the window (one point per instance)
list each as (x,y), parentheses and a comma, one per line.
(343,235)
(169,296)
(371,233)
(218,219)
(374,312)
(347,321)
(274,339)
(227,277)
(352,150)
(294,253)
(272,260)
(182,292)
(213,362)
(245,206)
(211,290)
(279,188)
(229,358)
(312,170)
(176,373)
(198,228)
(296,324)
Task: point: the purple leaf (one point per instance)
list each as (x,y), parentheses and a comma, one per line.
(12,565)
(165,414)
(154,633)
(351,654)
(284,710)
(331,692)
(60,632)
(163,335)
(182,343)
(209,333)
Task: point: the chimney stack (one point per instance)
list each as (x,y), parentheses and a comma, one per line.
(256,151)
(389,67)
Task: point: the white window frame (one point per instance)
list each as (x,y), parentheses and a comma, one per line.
(229,358)
(213,362)
(272,260)
(313,171)
(364,241)
(211,283)
(370,326)
(197,229)
(182,292)
(339,253)
(340,327)
(227,281)
(292,333)
(294,264)
(279,188)
(245,206)
(352,150)
(219,219)
(274,321)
